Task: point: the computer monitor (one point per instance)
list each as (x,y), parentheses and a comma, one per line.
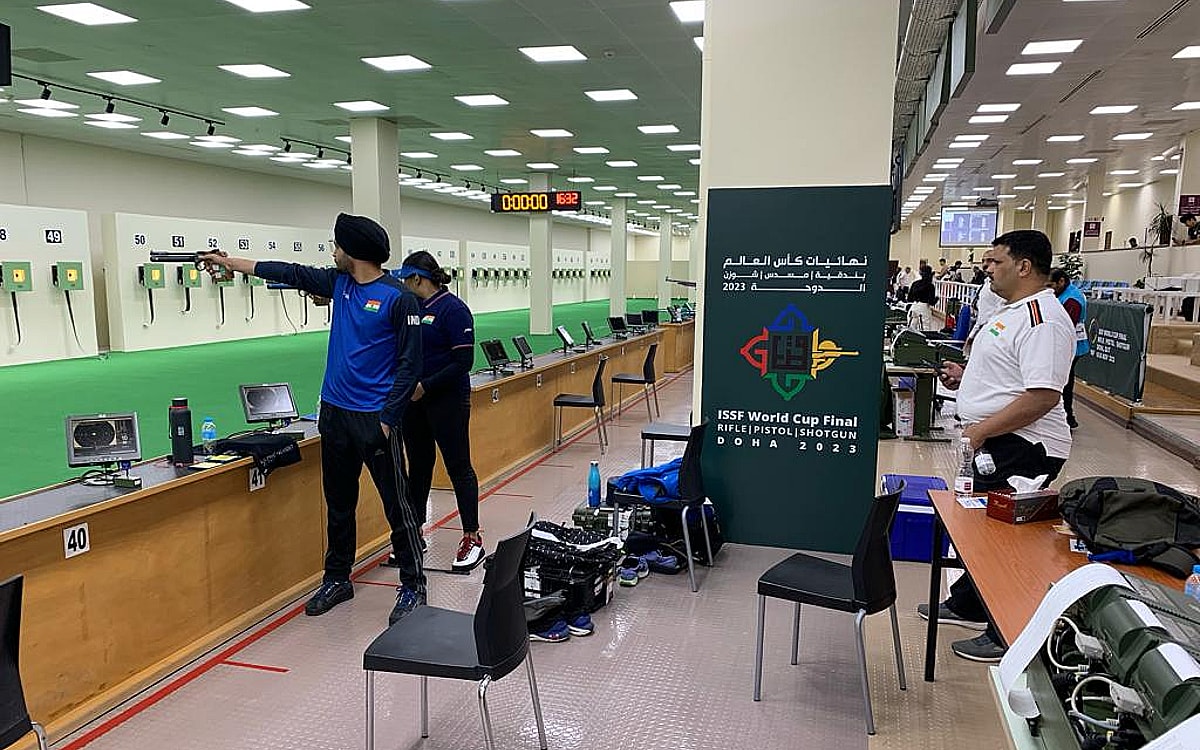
(589,338)
(617,325)
(101,439)
(268,402)
(567,342)
(633,320)
(676,314)
(650,317)
(497,358)
(521,344)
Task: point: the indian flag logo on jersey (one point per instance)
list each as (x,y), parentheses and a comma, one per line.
(428,320)
(372,305)
(996,329)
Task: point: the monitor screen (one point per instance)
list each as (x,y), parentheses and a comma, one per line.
(493,349)
(968,227)
(650,317)
(268,402)
(568,342)
(617,325)
(633,319)
(522,346)
(588,335)
(98,439)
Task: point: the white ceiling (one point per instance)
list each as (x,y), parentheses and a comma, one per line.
(471,44)
(1113,66)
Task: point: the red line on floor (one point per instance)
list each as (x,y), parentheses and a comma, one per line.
(375,583)
(262,667)
(511,494)
(557,466)
(222,657)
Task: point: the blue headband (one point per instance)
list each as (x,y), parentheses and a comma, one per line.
(406,271)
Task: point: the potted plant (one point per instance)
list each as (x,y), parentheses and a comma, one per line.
(1072,265)
(1160,227)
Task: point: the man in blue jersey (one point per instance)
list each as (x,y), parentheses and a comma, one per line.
(1075,304)
(373,364)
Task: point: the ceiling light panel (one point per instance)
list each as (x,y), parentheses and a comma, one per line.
(397,63)
(564,53)
(1187,53)
(110,124)
(969,138)
(502,152)
(1124,171)
(542,165)
(1046,175)
(1114,109)
(255,70)
(113,117)
(611,95)
(658,129)
(590,150)
(621,164)
(699,42)
(1061,47)
(694,162)
(250,111)
(581,180)
(124,77)
(482,100)
(452,136)
(605,188)
(1132,136)
(466,167)
(987,119)
(46,104)
(418,154)
(514,181)
(684,147)
(88,14)
(1004,177)
(1186,106)
(1032,69)
(166,135)
(1083,160)
(1064,139)
(552,133)
(688,11)
(985,109)
(1026,162)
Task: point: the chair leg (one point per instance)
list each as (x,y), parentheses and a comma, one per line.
(862,668)
(489,740)
(43,744)
(537,701)
(643,453)
(896,648)
(646,393)
(758,647)
(370,710)
(612,398)
(654,390)
(557,427)
(424,707)
(600,429)
(687,545)
(707,540)
(796,637)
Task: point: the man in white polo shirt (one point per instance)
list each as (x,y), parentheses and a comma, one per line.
(1009,398)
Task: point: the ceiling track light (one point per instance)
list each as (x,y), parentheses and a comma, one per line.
(287,146)
(166,118)
(320,151)
(109,107)
(211,129)
(45,91)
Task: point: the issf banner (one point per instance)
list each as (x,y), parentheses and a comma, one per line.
(792,360)
(1118,333)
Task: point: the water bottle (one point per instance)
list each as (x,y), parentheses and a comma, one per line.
(594,485)
(1192,587)
(179,417)
(964,483)
(208,435)
(984,462)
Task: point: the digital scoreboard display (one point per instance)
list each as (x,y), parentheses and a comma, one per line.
(968,227)
(514,203)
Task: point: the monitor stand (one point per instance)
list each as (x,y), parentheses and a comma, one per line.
(500,372)
(526,363)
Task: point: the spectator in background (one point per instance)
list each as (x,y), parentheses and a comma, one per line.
(904,280)
(1075,304)
(942,269)
(1189,232)
(979,276)
(1133,243)
(923,297)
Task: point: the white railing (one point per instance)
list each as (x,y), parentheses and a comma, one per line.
(964,293)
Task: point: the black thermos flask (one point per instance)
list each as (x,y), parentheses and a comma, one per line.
(180,418)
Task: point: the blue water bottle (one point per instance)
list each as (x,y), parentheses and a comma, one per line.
(594,485)
(208,435)
(1192,587)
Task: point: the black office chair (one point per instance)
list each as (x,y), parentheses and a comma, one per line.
(595,402)
(646,379)
(866,586)
(15,723)
(691,498)
(485,645)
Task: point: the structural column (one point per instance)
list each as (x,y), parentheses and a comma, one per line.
(1041,214)
(1008,218)
(695,248)
(1187,182)
(541,257)
(375,146)
(1093,209)
(916,236)
(664,260)
(619,256)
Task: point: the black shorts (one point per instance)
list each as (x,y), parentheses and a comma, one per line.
(1015,456)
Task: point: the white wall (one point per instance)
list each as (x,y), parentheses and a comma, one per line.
(46,172)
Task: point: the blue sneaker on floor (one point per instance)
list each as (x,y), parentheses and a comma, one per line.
(557,632)
(581,625)
(627,577)
(406,601)
(660,563)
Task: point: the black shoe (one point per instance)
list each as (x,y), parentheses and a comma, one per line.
(981,648)
(406,601)
(1072,422)
(946,616)
(331,594)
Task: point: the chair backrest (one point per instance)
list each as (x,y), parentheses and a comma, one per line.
(501,637)
(691,479)
(648,366)
(598,382)
(14,714)
(871,569)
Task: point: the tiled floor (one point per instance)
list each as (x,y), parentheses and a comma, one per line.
(665,669)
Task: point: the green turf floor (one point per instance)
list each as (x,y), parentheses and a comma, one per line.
(36,397)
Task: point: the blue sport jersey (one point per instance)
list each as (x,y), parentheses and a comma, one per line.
(374,355)
(447,343)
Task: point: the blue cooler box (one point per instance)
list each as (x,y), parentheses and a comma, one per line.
(912,530)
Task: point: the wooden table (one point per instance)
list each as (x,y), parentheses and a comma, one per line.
(679,344)
(1012,566)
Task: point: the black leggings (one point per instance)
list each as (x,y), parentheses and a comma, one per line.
(443,419)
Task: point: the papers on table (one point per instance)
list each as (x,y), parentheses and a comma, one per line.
(976,502)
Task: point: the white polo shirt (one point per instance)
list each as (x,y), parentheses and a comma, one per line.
(1026,344)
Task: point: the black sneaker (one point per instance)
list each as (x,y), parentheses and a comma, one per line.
(1072,422)
(331,594)
(947,616)
(406,601)
(981,648)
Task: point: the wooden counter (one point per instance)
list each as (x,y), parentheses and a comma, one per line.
(679,345)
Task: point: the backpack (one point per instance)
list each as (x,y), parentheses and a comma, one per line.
(1126,519)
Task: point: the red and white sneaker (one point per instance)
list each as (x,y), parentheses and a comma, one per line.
(470,553)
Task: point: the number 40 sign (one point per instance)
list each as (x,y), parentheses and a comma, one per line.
(76,540)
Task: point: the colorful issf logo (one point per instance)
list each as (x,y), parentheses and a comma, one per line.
(790,352)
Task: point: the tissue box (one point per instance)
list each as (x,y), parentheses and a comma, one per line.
(1023,507)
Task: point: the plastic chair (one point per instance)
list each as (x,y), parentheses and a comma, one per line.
(866,586)
(595,402)
(485,645)
(647,380)
(691,498)
(15,723)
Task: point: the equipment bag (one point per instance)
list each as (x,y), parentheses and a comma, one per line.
(668,530)
(1126,519)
